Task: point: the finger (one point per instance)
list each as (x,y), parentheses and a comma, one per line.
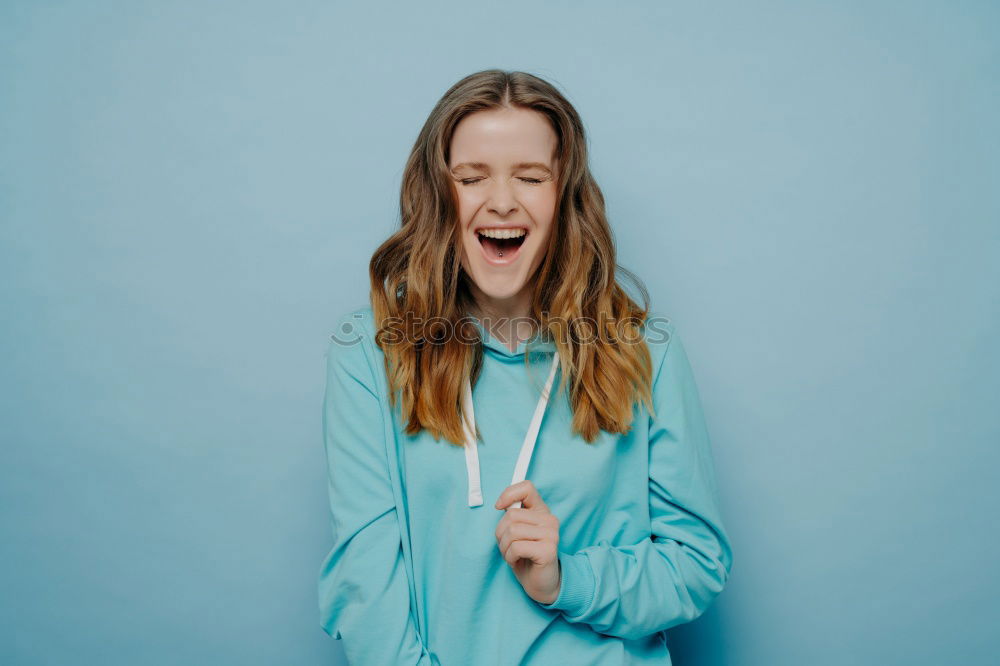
(533,499)
(526,516)
(539,552)
(510,494)
(522,493)
(524,532)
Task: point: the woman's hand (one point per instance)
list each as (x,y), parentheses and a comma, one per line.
(528,539)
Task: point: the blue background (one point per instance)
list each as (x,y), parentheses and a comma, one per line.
(190,193)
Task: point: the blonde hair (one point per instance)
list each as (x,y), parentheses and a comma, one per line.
(417,273)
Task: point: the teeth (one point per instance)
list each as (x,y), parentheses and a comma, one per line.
(502,233)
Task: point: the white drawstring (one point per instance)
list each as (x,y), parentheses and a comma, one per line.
(471,449)
(527,448)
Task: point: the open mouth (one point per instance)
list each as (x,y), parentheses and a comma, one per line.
(501,245)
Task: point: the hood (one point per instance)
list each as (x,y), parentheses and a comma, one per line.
(495,347)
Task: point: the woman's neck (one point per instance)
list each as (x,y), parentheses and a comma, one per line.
(509,320)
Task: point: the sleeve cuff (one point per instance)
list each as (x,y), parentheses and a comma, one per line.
(576,591)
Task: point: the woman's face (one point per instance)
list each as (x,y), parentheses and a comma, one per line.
(503,163)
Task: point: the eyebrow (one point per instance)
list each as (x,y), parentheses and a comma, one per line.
(520,165)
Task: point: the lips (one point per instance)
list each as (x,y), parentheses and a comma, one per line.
(500,251)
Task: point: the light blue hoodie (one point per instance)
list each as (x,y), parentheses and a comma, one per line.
(415,575)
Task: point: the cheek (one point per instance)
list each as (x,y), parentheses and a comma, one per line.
(542,206)
(467,206)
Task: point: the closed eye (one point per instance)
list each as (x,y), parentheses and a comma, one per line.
(473,181)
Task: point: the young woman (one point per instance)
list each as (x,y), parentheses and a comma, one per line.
(519,468)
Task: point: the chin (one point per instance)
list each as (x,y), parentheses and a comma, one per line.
(507,284)
(500,291)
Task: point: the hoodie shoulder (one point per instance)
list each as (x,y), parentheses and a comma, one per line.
(349,345)
(353,325)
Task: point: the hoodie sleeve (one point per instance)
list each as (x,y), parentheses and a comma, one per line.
(364,595)
(672,576)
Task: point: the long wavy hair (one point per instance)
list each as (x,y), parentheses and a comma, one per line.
(416,276)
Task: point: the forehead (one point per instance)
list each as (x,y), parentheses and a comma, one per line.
(501,137)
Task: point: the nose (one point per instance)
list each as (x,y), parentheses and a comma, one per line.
(501,199)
